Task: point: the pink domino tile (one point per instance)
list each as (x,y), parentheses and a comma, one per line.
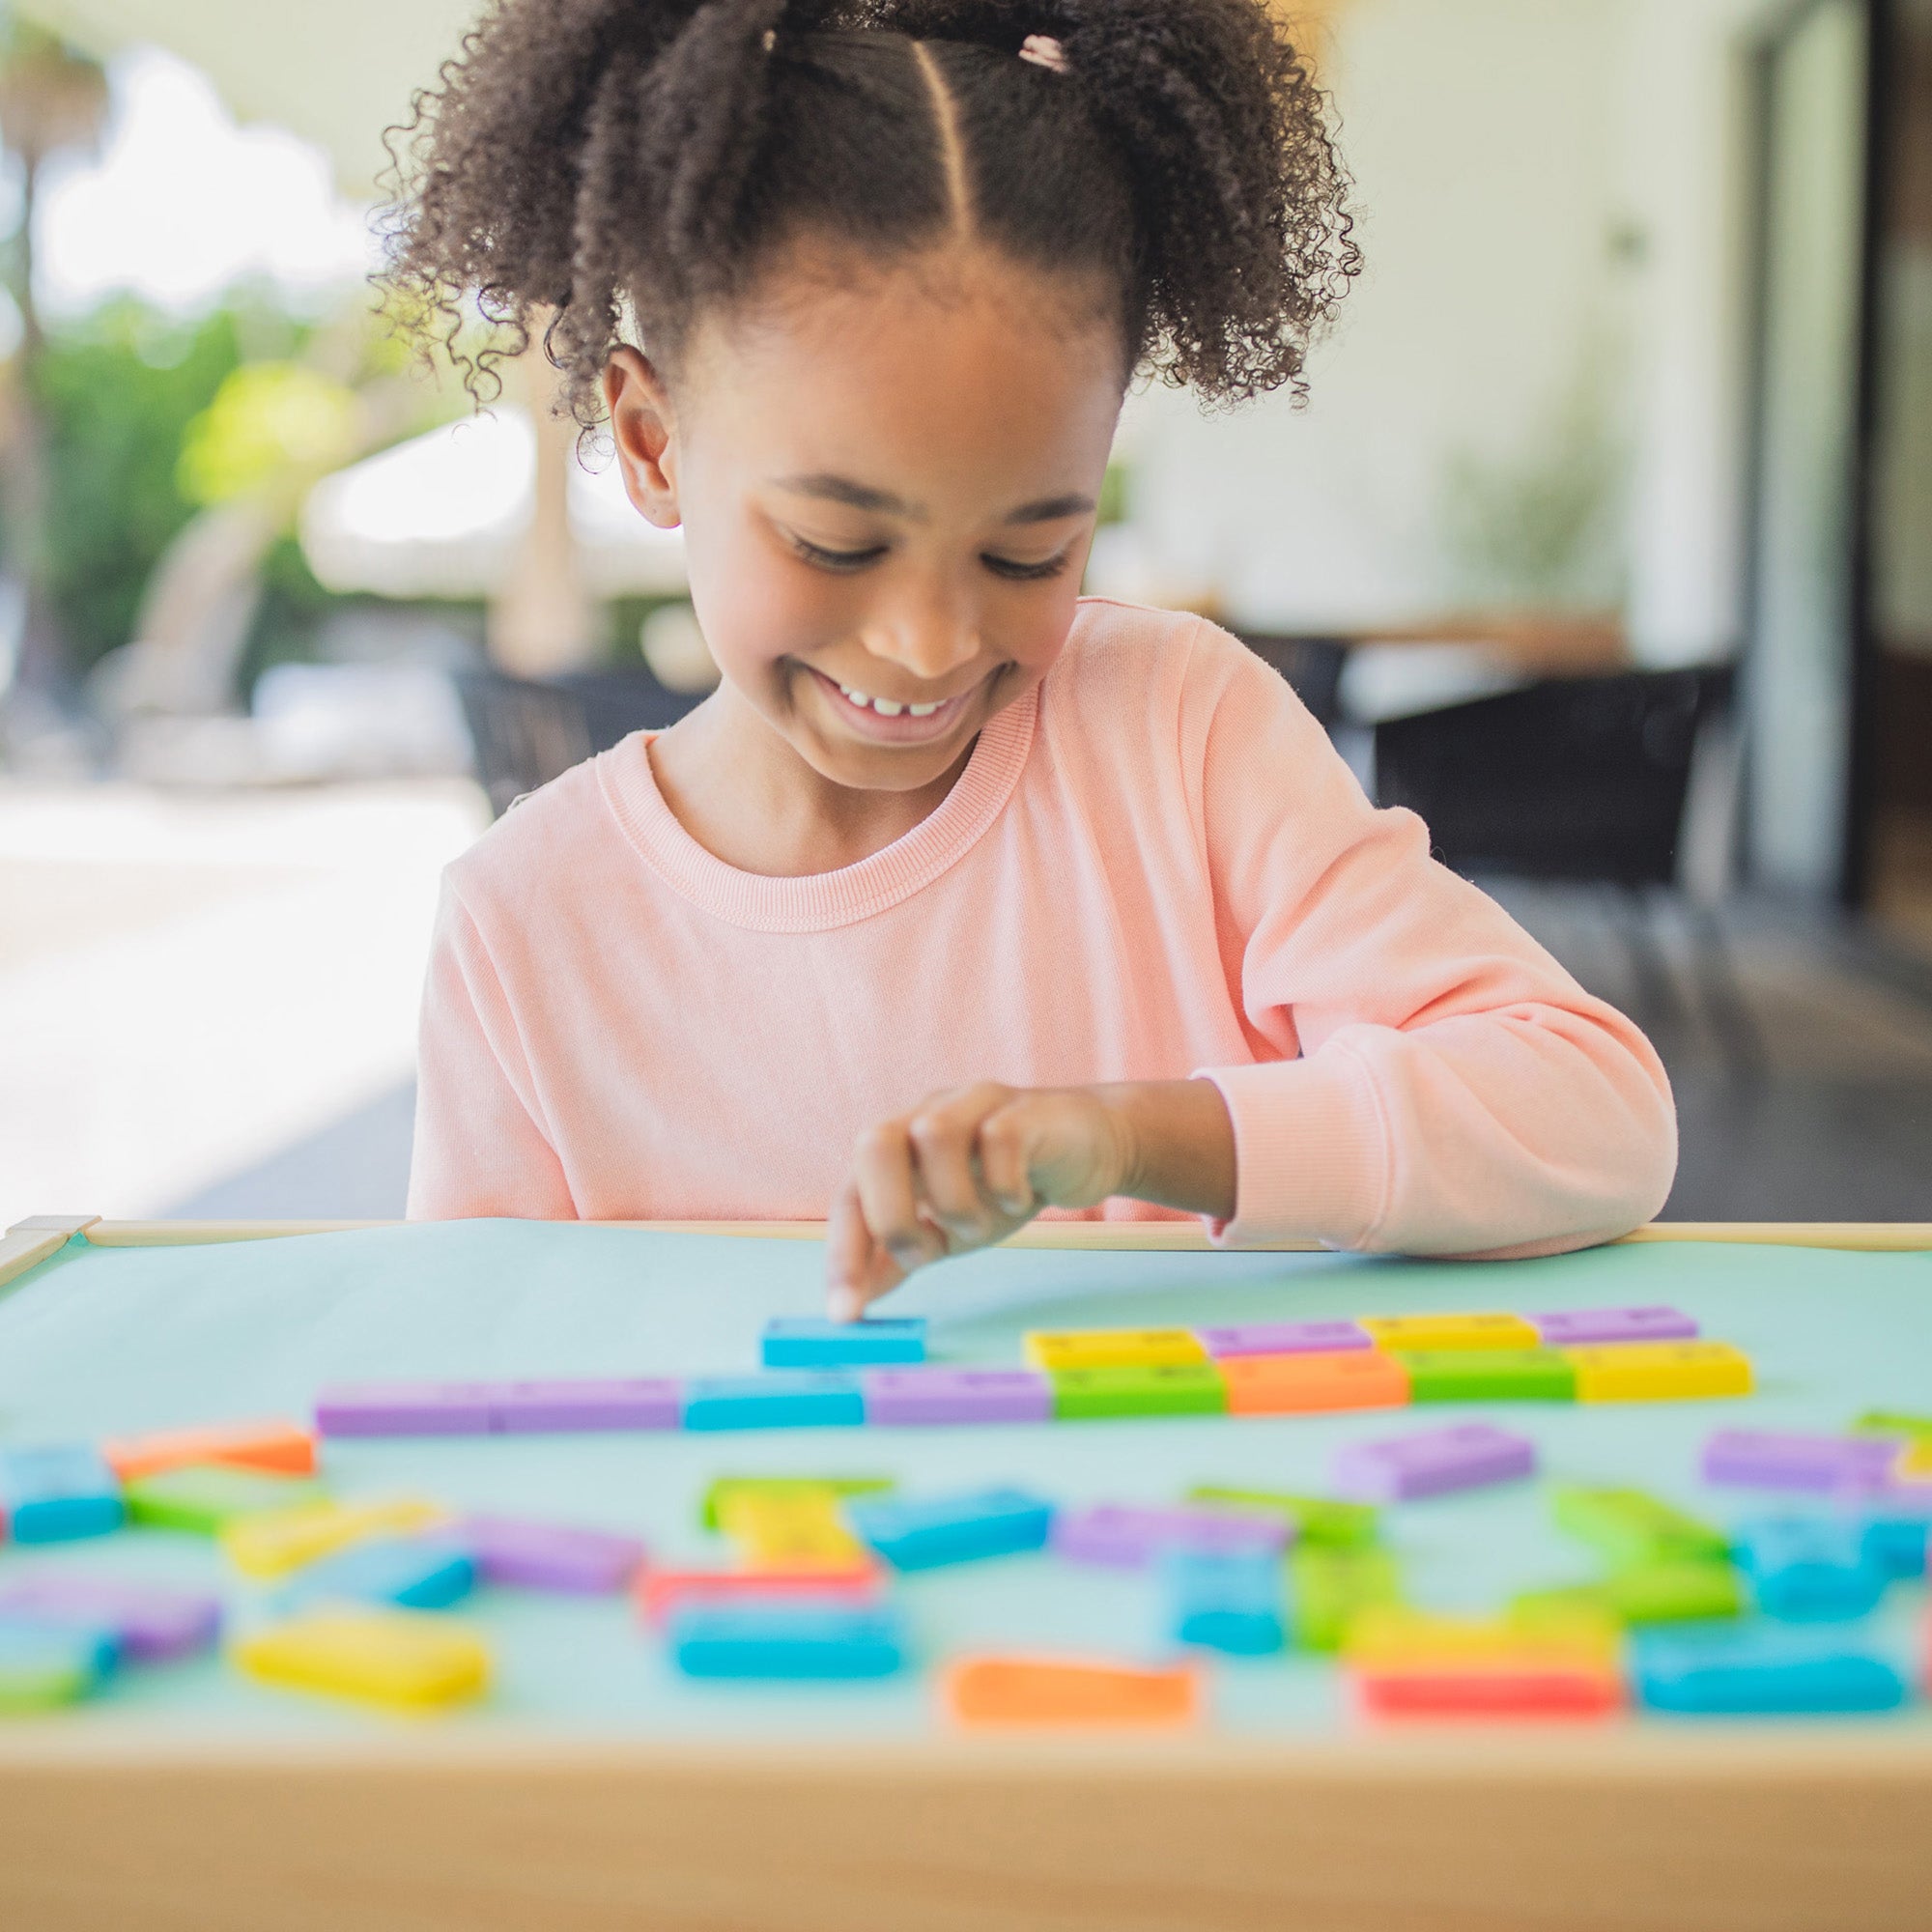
(1128,1538)
(405,1409)
(1432,1462)
(1284,1338)
(147,1623)
(1581,1327)
(549,1555)
(1769,1459)
(938,1396)
(556,1407)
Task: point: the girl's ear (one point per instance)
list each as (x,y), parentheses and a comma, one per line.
(643,424)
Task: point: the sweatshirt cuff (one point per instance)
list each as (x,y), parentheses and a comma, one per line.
(1311,1152)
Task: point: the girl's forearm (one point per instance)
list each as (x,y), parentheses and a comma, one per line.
(1179,1144)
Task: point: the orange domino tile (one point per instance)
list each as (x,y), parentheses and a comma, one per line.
(1490,1690)
(1020,1691)
(277,1448)
(1303,1385)
(659,1593)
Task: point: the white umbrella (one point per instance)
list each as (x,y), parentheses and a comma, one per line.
(446,514)
(336,75)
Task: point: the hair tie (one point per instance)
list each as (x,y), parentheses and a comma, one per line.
(1044,50)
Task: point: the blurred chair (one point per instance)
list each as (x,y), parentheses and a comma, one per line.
(1312,666)
(528,732)
(1581,781)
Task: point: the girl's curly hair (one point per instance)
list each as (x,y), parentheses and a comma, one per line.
(601,164)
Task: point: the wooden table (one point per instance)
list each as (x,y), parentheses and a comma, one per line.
(108,1822)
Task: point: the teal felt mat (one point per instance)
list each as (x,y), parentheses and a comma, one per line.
(100,1341)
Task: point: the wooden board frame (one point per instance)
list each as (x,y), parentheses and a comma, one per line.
(1651,1828)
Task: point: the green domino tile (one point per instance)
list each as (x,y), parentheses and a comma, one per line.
(1668,1591)
(1318,1522)
(1489,1374)
(207,1497)
(1628,1526)
(788,1487)
(1326,1588)
(1176,1388)
(1888,1422)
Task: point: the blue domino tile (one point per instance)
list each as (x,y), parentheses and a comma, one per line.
(58,1492)
(1810,1568)
(814,1344)
(780,1640)
(924,1532)
(1233,1603)
(416,1572)
(784,1399)
(1897,1545)
(1737,1669)
(43,1664)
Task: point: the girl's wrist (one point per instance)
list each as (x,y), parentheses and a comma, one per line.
(1175,1145)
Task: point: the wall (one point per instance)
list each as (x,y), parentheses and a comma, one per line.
(1545,191)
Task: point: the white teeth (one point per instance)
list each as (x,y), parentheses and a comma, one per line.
(888,707)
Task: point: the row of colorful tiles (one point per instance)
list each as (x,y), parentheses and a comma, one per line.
(1276,1384)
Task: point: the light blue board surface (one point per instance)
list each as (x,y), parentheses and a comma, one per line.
(100,1341)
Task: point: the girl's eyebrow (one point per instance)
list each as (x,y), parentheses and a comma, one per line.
(882,502)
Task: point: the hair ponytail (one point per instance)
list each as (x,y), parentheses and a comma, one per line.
(589,159)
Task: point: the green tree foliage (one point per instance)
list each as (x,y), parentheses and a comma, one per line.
(118,391)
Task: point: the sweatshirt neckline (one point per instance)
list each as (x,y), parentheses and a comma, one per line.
(819,900)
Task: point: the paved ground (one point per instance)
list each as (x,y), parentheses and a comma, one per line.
(190,985)
(207,1007)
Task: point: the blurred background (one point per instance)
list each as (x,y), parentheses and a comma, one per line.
(1605,541)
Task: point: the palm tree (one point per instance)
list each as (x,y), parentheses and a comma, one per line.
(51,99)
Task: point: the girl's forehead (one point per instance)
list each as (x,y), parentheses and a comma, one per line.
(930,353)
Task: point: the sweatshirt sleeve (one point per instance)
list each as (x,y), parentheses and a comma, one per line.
(1428,1079)
(479,1146)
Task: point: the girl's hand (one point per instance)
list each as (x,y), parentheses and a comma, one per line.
(968,1167)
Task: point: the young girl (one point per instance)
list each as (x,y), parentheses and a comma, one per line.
(964,899)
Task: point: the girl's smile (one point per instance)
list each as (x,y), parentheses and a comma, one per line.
(889,721)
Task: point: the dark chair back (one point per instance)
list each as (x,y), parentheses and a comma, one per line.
(1313,666)
(527,731)
(1577,779)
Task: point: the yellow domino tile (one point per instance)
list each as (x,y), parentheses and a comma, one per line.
(1659,1371)
(414,1660)
(1112,1348)
(791,1533)
(1915,1465)
(278,1541)
(1390,1636)
(1489,1330)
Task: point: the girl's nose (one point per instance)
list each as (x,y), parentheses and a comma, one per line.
(928,641)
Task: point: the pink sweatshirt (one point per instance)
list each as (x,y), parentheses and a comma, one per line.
(1156,865)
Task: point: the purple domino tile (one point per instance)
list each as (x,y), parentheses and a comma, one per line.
(910,1396)
(554,1406)
(147,1624)
(1400,1468)
(1764,1460)
(1579,1327)
(549,1555)
(1128,1538)
(1284,1338)
(407,1409)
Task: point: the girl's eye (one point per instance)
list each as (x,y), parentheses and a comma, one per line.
(837,559)
(1027,573)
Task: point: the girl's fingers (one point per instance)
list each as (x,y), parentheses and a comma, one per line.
(882,1172)
(857,1270)
(944,1134)
(1006,1152)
